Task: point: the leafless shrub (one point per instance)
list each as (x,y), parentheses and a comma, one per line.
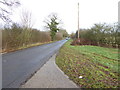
(16,37)
(59,36)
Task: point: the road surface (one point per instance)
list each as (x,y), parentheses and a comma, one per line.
(18,66)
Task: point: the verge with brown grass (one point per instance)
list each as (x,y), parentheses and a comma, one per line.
(89,66)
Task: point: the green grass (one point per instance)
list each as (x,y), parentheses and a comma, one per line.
(97,65)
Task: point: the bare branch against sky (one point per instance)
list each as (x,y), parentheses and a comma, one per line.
(91,12)
(26,19)
(6,7)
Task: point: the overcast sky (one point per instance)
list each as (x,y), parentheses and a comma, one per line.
(91,12)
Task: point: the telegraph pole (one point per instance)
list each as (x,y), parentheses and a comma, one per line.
(78,20)
(119,12)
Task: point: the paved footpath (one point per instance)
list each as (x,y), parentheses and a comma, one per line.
(49,76)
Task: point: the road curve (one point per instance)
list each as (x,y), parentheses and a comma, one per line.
(18,66)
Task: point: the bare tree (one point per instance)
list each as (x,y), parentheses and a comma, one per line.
(27,24)
(26,19)
(6,7)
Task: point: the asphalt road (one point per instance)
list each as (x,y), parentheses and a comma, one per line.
(18,66)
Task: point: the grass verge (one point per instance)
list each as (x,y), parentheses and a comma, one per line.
(26,46)
(98,66)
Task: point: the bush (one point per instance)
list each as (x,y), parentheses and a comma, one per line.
(58,36)
(100,35)
(16,36)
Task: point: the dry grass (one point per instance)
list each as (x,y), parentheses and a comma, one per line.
(24,47)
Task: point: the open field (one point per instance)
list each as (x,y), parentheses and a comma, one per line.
(98,66)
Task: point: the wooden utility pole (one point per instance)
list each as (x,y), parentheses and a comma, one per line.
(78,20)
(119,12)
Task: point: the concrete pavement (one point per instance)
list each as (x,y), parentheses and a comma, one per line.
(49,76)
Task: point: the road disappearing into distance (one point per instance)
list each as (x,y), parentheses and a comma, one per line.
(18,66)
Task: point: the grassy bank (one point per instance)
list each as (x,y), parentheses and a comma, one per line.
(98,66)
(25,46)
